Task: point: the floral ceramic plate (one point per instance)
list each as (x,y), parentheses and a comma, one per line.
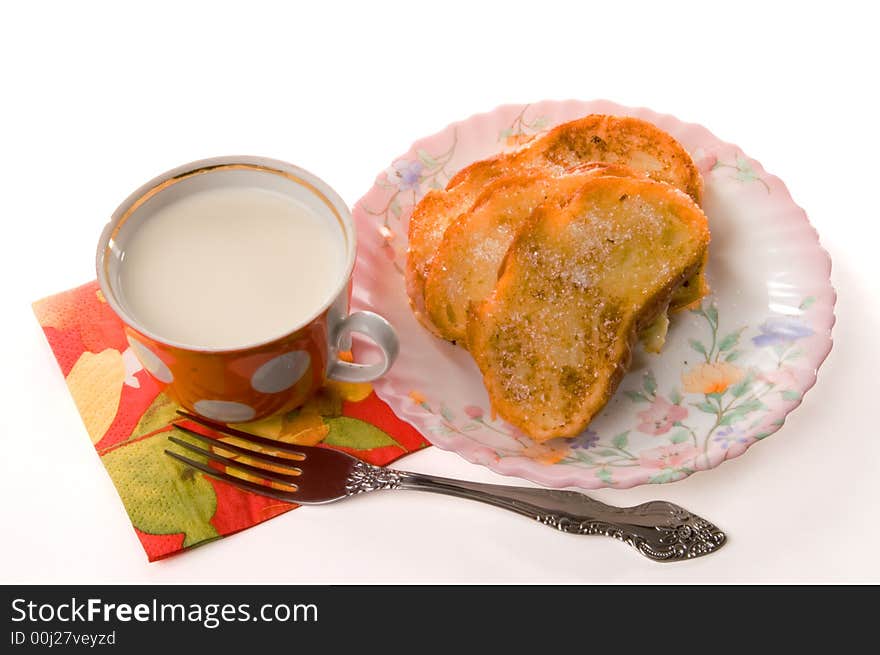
(728,375)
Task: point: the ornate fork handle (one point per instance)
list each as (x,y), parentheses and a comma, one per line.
(660,530)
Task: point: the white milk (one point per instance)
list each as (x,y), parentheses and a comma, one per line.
(226,267)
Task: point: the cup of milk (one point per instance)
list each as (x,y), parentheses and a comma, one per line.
(232,277)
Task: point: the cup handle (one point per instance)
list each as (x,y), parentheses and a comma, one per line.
(379,331)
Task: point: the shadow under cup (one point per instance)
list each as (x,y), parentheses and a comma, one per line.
(265,377)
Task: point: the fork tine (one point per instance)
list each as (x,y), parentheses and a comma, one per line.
(242,466)
(247,452)
(286,496)
(263,441)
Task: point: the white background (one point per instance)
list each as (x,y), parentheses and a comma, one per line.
(99,97)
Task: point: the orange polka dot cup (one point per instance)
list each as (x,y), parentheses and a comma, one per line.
(233,278)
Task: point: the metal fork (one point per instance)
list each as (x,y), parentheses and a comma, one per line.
(660,530)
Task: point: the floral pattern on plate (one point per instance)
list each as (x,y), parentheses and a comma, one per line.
(730,371)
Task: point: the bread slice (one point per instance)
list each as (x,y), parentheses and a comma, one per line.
(428,222)
(555,336)
(629,141)
(465,267)
(616,139)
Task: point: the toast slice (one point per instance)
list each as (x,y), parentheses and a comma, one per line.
(465,267)
(428,222)
(555,336)
(629,141)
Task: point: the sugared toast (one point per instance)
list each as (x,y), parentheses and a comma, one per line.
(465,267)
(429,220)
(555,336)
(629,141)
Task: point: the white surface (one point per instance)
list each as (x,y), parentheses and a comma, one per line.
(100,98)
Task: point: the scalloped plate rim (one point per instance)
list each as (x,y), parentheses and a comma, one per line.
(549,474)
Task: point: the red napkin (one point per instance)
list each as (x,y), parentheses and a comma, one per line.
(173,507)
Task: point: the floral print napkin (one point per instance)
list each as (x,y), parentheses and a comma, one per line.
(127,416)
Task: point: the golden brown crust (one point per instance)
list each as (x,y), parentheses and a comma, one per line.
(483,169)
(596,138)
(465,267)
(429,220)
(555,336)
(618,139)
